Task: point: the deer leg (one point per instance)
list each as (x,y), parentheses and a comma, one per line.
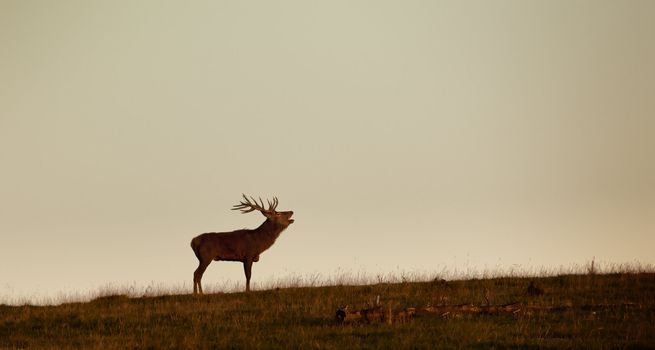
(247,268)
(197,276)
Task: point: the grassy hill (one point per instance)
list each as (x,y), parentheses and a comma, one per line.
(569,311)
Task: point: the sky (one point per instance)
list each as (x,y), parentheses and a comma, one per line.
(425,137)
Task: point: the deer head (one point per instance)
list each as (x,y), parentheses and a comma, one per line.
(279,218)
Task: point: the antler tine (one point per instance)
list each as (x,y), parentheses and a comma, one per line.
(247,201)
(248,205)
(275,202)
(243,207)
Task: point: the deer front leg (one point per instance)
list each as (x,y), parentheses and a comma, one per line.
(247,268)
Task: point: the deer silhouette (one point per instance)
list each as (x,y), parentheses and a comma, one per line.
(241,245)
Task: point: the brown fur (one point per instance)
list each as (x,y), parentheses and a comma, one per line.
(241,245)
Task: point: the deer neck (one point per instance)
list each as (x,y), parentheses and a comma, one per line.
(270,230)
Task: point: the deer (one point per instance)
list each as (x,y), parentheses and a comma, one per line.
(244,245)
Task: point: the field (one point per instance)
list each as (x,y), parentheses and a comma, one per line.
(582,311)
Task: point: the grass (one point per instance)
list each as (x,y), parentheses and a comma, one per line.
(611,310)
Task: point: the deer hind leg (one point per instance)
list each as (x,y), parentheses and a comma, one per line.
(247,268)
(197,276)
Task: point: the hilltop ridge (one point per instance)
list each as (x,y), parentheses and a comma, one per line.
(568,311)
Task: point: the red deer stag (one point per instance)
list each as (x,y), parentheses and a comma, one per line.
(240,245)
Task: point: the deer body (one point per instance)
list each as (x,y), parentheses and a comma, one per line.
(241,245)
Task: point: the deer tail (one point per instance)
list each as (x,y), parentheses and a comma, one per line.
(195,244)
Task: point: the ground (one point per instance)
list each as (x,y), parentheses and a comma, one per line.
(570,311)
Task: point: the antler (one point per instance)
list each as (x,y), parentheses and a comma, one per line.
(250,204)
(273,205)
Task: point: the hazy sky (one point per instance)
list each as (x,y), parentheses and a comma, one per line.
(406,136)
